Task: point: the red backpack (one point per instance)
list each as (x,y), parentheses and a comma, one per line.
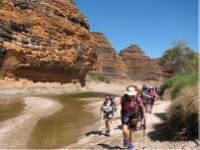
(129,106)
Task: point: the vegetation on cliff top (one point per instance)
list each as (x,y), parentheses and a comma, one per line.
(182,115)
(181,59)
(1,3)
(98,76)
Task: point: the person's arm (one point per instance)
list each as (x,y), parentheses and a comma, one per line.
(146,95)
(101,108)
(117,100)
(142,106)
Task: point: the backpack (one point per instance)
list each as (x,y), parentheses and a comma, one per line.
(107,107)
(129,107)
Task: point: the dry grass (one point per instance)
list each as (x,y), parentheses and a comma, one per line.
(182,116)
(10,109)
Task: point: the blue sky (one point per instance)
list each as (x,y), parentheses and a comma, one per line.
(152,24)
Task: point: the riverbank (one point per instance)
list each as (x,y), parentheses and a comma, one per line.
(96,139)
(15,132)
(10,87)
(91,135)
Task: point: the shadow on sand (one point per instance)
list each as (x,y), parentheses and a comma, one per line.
(95,133)
(106,146)
(162,133)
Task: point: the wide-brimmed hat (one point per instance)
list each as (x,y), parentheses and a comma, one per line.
(131,91)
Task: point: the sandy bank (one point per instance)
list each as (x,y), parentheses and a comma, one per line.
(15,132)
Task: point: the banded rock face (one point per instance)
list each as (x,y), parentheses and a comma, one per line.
(108,62)
(45,40)
(140,67)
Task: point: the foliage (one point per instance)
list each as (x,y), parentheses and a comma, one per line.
(1,3)
(178,82)
(97,76)
(182,116)
(180,59)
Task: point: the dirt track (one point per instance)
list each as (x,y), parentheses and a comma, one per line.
(95,139)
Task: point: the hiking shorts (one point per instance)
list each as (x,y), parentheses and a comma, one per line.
(149,102)
(130,120)
(108,116)
(152,101)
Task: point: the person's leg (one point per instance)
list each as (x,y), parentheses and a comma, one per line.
(108,124)
(125,133)
(131,138)
(132,128)
(151,107)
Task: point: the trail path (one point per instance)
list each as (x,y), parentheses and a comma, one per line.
(15,132)
(95,139)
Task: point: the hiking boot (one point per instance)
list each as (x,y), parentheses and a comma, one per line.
(130,147)
(107,133)
(125,142)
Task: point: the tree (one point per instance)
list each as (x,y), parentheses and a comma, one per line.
(181,58)
(1,3)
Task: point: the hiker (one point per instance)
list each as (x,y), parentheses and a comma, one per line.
(151,99)
(141,116)
(108,109)
(157,89)
(144,96)
(130,104)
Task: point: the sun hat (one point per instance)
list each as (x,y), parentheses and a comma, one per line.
(131,91)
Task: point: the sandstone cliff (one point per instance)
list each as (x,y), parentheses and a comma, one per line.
(140,67)
(108,62)
(45,40)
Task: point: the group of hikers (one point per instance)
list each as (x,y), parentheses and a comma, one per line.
(135,103)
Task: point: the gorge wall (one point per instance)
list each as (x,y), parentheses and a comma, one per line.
(45,40)
(49,40)
(130,63)
(108,62)
(140,66)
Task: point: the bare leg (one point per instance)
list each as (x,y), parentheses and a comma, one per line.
(125,131)
(108,124)
(131,139)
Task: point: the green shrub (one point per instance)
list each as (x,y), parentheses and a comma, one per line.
(178,82)
(180,58)
(97,76)
(1,3)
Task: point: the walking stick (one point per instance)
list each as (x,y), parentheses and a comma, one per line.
(99,122)
(144,127)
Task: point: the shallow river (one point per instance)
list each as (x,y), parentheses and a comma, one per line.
(67,125)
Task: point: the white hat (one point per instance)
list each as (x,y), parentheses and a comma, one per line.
(131,91)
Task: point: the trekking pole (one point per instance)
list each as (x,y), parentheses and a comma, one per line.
(144,127)
(99,122)
(156,105)
(90,145)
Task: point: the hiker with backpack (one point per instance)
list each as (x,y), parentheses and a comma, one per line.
(108,108)
(151,99)
(130,104)
(144,96)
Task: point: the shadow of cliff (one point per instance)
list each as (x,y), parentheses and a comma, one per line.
(161,132)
